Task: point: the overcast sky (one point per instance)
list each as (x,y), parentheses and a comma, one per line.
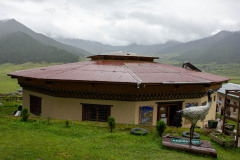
(121,22)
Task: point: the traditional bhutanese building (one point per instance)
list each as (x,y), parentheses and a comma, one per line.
(132,88)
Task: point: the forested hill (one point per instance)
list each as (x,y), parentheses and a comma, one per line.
(19,48)
(223,47)
(20,44)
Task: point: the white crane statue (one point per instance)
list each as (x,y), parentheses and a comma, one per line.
(195,113)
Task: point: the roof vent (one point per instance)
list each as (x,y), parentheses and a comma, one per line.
(122,56)
(188,65)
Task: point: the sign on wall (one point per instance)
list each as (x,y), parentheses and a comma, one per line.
(146,115)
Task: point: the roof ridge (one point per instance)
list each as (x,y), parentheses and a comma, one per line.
(138,80)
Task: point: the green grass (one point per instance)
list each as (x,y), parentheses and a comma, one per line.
(11,85)
(39,139)
(8,107)
(230,70)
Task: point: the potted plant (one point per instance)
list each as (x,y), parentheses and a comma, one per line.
(223,140)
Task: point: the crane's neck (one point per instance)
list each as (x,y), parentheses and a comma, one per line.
(209,98)
(209,104)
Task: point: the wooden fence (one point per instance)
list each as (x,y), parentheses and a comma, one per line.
(10,97)
(226,117)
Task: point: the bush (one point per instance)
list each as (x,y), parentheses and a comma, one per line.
(25,114)
(48,120)
(67,123)
(111,123)
(160,127)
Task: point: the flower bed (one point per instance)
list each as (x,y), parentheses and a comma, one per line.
(222,139)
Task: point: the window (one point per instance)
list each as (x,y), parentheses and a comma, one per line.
(220,98)
(146,114)
(35,105)
(96,112)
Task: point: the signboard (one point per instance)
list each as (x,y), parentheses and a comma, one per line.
(194,141)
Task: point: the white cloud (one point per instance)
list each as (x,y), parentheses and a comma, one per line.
(126,21)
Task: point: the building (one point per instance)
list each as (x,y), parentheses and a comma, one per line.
(232,99)
(130,87)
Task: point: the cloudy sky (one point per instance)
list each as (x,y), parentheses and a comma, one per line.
(122,22)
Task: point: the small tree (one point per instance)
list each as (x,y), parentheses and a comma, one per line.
(25,114)
(48,120)
(67,123)
(111,123)
(160,127)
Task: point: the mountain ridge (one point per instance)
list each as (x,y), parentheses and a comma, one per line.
(205,50)
(11,26)
(20,48)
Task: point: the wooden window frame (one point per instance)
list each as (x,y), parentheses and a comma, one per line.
(102,112)
(35,105)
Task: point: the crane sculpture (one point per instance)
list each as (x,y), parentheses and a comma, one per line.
(194,114)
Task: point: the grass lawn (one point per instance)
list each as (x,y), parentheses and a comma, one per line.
(39,139)
(230,70)
(11,85)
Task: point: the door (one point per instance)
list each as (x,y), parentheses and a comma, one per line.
(163,113)
(167,112)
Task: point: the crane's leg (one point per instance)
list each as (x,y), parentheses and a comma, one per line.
(190,140)
(193,127)
(191,133)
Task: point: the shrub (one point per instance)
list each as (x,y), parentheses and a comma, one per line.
(160,127)
(25,114)
(111,123)
(67,123)
(48,120)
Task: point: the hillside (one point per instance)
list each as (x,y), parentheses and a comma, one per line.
(19,48)
(221,48)
(11,26)
(98,48)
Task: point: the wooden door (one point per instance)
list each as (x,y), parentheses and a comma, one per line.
(163,113)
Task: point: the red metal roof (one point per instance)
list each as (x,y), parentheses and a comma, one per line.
(120,71)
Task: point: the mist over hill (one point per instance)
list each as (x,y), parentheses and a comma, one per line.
(19,44)
(222,47)
(98,48)
(19,48)
(17,40)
